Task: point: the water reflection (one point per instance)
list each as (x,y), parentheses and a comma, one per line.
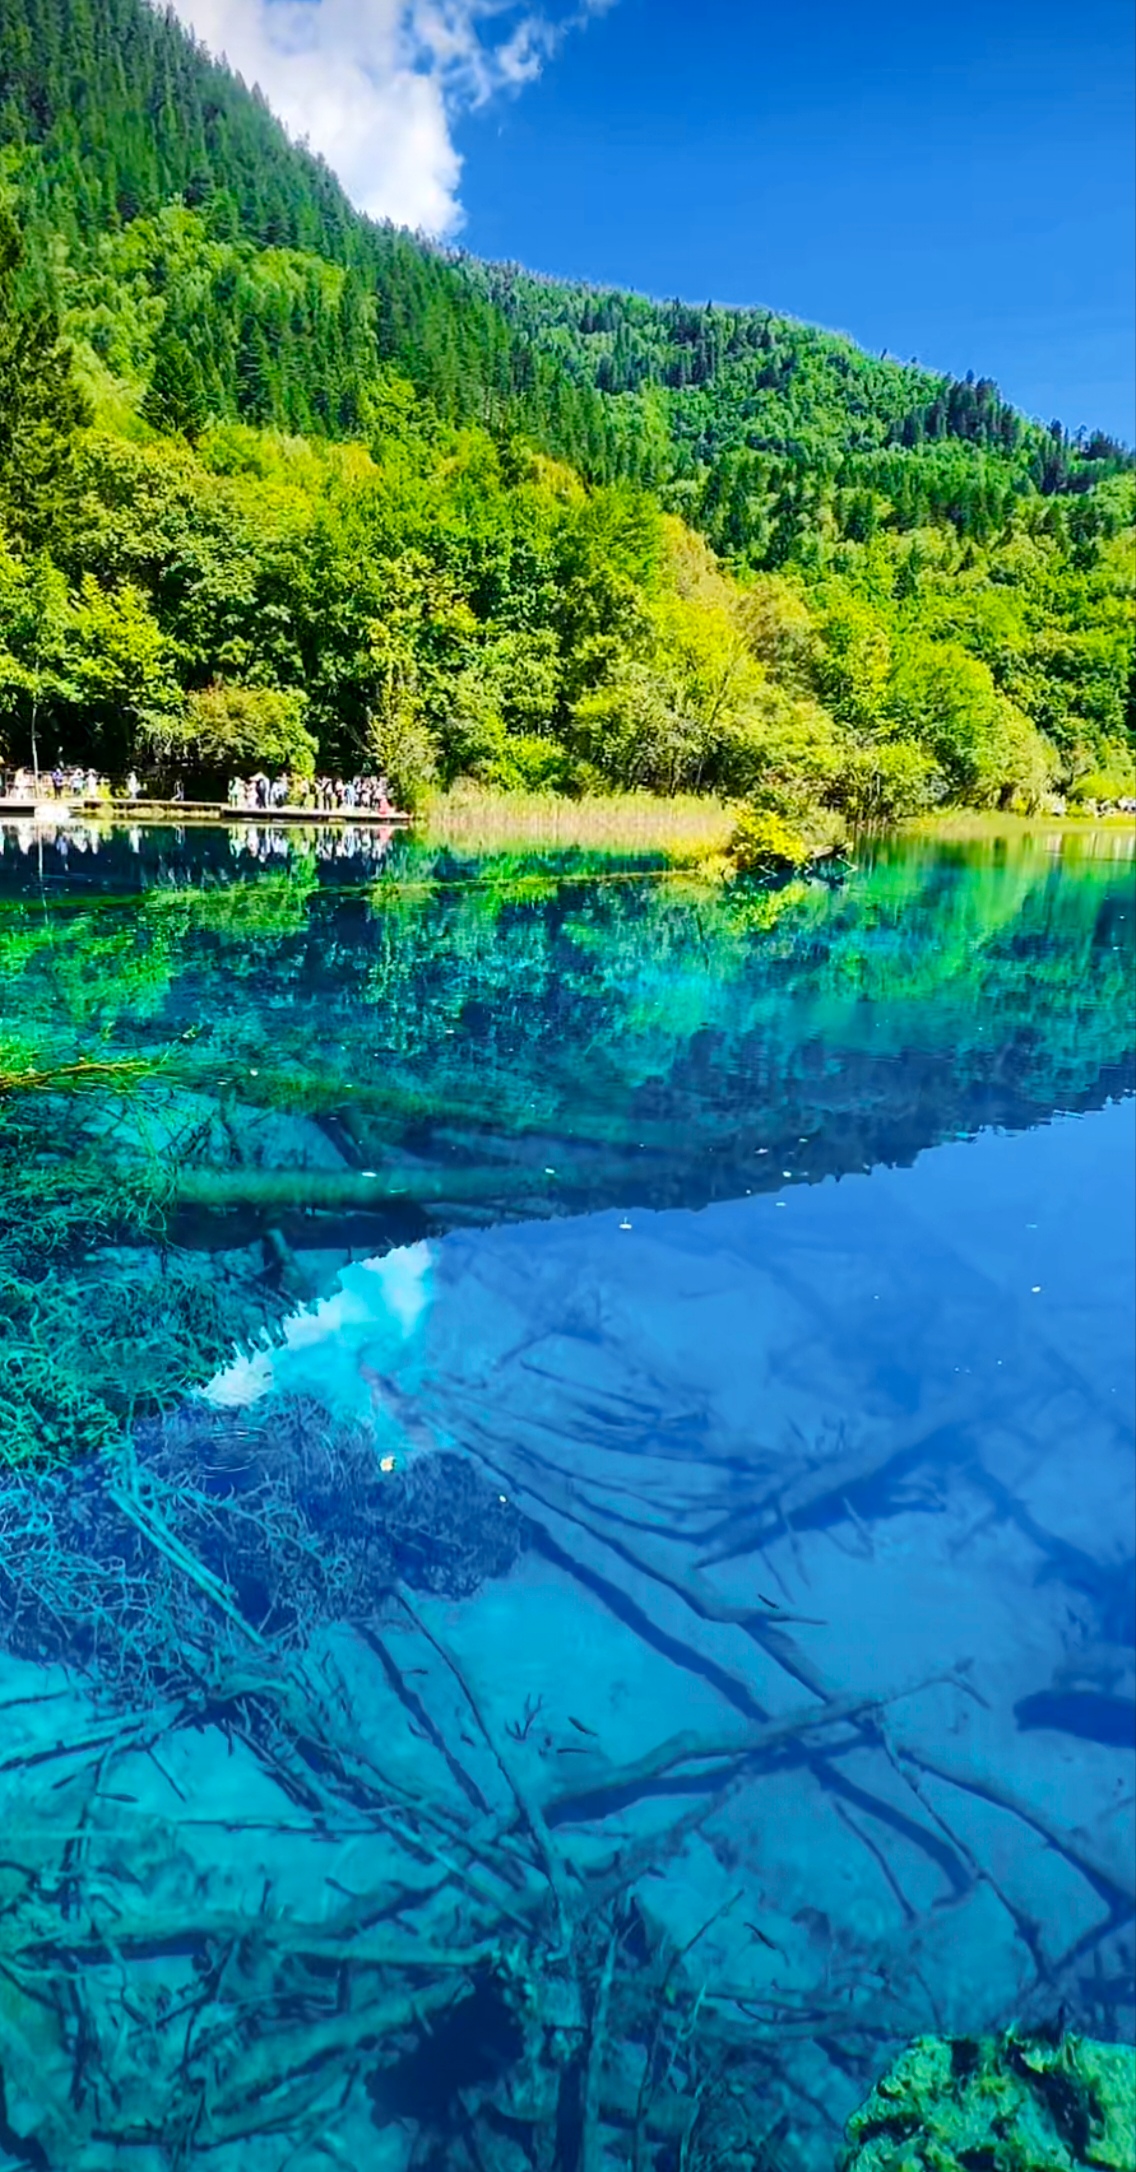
(549,1032)
(610,1656)
(251,843)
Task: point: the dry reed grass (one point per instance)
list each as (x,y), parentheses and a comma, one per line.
(622,822)
(1094,836)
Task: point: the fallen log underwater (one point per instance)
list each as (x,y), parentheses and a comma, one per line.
(167,2016)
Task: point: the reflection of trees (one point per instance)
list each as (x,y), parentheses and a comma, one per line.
(459,1003)
(305,1058)
(934,992)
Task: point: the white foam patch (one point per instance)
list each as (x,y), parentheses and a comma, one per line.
(244,1381)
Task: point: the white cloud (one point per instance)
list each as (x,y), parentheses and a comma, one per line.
(375,85)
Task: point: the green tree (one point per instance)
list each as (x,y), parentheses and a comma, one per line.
(854,663)
(445,501)
(175,396)
(122,666)
(41,406)
(986,748)
(35,684)
(230,727)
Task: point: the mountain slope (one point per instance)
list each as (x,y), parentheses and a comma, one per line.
(109,113)
(470,550)
(757,415)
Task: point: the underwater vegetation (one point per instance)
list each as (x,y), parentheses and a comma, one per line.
(279,1863)
(201,1589)
(1012,2103)
(100,1316)
(213,1531)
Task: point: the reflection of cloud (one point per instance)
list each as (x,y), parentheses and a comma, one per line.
(403,1277)
(375,84)
(337,1347)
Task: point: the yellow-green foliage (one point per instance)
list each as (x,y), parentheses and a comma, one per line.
(765,844)
(1007,2104)
(918,594)
(1115,779)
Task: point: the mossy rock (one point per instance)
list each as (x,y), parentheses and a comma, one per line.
(1000,2104)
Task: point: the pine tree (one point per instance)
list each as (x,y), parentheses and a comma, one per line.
(41,405)
(175,397)
(254,374)
(114,115)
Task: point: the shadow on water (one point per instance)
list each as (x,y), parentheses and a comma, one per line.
(538,1631)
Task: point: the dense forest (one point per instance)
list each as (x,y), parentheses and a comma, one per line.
(279,483)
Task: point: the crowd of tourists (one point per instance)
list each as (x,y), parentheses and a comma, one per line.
(68,781)
(258,793)
(326,795)
(58,783)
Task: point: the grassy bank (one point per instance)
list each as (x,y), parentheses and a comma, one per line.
(1111,835)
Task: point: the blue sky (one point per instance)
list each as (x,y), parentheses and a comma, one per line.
(955,183)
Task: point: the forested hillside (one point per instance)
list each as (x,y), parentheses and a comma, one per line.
(279,483)
(757,426)
(279,301)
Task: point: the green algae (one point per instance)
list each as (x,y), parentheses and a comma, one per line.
(1010,2103)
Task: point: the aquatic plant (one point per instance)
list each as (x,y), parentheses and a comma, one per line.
(1012,2103)
(201,1581)
(86,1072)
(101,1316)
(241,1622)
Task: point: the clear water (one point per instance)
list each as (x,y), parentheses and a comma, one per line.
(734,1296)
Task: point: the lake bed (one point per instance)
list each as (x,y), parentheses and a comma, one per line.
(598,1597)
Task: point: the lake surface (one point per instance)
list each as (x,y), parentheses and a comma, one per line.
(569,1581)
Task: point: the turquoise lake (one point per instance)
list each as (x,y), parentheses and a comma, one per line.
(568,1531)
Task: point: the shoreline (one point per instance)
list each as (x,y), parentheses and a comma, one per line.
(166,813)
(979,822)
(628,821)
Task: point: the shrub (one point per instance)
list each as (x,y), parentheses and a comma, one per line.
(529,762)
(405,751)
(765,845)
(1104,785)
(887,781)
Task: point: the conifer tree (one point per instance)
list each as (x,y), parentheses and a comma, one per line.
(41,405)
(175,397)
